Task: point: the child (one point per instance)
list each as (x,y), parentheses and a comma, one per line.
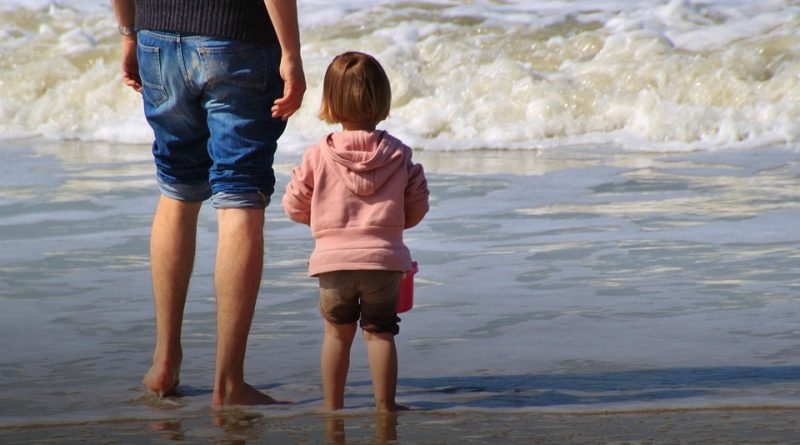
(358,189)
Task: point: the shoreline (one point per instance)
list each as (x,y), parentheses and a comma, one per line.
(724,425)
(265,413)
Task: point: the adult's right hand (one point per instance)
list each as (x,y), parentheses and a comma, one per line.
(130,63)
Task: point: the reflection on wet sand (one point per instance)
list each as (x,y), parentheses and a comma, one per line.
(171,429)
(240,427)
(385,429)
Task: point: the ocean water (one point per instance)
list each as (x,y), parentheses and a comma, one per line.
(639,74)
(613,227)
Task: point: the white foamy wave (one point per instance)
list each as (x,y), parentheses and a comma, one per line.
(636,74)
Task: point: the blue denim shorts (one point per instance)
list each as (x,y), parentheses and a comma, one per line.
(208,101)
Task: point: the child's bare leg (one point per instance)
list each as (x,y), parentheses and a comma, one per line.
(335,362)
(382,355)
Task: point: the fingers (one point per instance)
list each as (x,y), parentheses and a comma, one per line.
(135,85)
(132,80)
(285,106)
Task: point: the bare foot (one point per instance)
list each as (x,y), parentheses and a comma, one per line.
(162,379)
(329,409)
(244,395)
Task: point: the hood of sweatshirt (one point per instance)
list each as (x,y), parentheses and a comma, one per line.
(364,160)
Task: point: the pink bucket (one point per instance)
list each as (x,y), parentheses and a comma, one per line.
(406,300)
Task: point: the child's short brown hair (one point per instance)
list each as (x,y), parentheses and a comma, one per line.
(356,90)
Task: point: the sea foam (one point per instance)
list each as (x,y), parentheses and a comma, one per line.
(641,75)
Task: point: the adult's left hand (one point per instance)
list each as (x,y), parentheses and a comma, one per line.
(294,87)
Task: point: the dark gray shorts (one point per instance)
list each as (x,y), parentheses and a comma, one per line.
(368,296)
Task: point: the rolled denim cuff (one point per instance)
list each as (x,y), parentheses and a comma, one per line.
(185,192)
(248,200)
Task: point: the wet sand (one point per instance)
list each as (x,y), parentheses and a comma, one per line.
(707,426)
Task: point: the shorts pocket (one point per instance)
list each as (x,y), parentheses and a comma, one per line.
(153,88)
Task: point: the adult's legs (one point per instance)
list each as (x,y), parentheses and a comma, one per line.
(237,278)
(335,362)
(172,250)
(240,83)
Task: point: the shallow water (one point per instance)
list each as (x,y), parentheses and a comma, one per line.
(583,279)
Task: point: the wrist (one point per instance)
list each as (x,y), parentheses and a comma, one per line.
(293,57)
(126,31)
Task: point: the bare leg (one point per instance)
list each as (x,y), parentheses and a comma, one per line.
(172,248)
(335,362)
(382,355)
(237,277)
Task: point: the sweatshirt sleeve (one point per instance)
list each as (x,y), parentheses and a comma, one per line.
(297,199)
(416,195)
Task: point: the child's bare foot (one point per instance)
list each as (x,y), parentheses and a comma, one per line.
(244,395)
(162,379)
(325,409)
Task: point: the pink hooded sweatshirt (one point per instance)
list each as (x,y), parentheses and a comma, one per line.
(358,191)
